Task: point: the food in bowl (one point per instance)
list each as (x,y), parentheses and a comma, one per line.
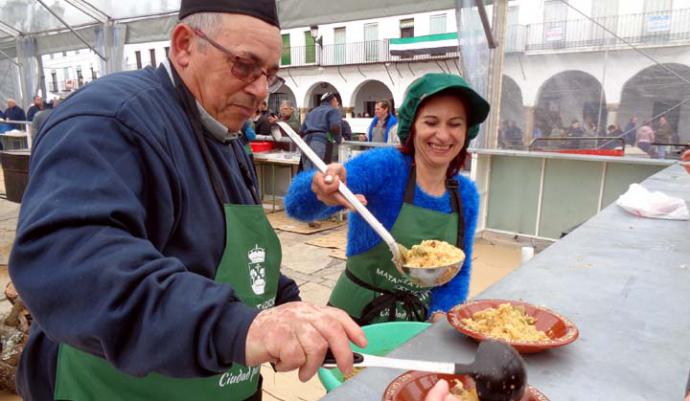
(355,372)
(433,253)
(506,322)
(463,394)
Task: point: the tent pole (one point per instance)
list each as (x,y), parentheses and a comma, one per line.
(81,38)
(5,27)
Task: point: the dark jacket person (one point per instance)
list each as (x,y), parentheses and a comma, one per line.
(142,249)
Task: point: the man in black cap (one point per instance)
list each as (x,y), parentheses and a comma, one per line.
(142,250)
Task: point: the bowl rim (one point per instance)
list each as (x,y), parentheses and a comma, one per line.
(397,384)
(571,334)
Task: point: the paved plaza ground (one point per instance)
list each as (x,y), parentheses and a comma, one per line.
(315,270)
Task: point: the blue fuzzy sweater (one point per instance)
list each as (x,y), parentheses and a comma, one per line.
(381,175)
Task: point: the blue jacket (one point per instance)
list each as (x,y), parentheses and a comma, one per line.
(389,124)
(381,176)
(120,234)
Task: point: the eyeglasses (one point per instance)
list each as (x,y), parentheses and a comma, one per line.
(245,69)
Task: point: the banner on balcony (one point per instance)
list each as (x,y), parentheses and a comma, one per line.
(436,44)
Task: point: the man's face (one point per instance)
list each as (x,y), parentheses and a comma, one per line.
(11,103)
(226,97)
(334,102)
(285,111)
(38,100)
(380,112)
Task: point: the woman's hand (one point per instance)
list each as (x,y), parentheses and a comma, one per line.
(325,186)
(440,392)
(436,316)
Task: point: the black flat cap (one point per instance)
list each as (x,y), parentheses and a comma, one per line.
(264,10)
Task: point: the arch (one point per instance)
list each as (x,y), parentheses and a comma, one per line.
(569,96)
(284,93)
(312,95)
(654,91)
(512,115)
(370,91)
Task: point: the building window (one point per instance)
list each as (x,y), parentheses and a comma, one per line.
(339,40)
(54,84)
(76,52)
(555,15)
(657,19)
(407,28)
(437,24)
(52,56)
(371,42)
(64,54)
(137,54)
(94,76)
(310,48)
(167,51)
(152,56)
(285,54)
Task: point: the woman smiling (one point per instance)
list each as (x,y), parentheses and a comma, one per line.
(416,193)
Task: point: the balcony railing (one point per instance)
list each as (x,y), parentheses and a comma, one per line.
(375,51)
(652,28)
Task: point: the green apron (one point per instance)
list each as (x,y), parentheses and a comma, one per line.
(250,264)
(371,289)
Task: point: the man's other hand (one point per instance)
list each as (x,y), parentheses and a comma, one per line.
(297,335)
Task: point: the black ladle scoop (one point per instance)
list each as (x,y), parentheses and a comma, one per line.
(498,370)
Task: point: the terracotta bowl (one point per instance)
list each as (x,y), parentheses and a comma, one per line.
(560,330)
(413,386)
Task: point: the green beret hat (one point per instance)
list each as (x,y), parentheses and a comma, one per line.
(431,84)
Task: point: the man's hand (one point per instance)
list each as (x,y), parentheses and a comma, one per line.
(325,186)
(297,335)
(362,138)
(272,119)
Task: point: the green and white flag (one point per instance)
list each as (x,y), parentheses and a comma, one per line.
(439,43)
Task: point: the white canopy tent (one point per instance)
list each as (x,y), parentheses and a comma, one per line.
(32,28)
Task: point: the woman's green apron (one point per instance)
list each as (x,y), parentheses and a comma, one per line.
(250,264)
(371,289)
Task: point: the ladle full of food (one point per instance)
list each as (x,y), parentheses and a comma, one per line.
(429,264)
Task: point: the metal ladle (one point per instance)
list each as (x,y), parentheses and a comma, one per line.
(498,371)
(425,277)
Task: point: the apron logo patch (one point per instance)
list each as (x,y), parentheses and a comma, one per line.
(228,378)
(257,271)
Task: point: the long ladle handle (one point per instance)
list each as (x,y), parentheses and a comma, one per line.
(345,191)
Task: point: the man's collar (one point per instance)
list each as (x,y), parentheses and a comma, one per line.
(216,128)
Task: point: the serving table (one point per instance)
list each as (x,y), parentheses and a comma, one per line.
(623,280)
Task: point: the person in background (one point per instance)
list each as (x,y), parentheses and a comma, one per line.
(383,127)
(37,106)
(645,138)
(247,134)
(664,134)
(346,130)
(288,115)
(321,128)
(41,116)
(263,119)
(613,132)
(14,113)
(415,191)
(142,250)
(630,131)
